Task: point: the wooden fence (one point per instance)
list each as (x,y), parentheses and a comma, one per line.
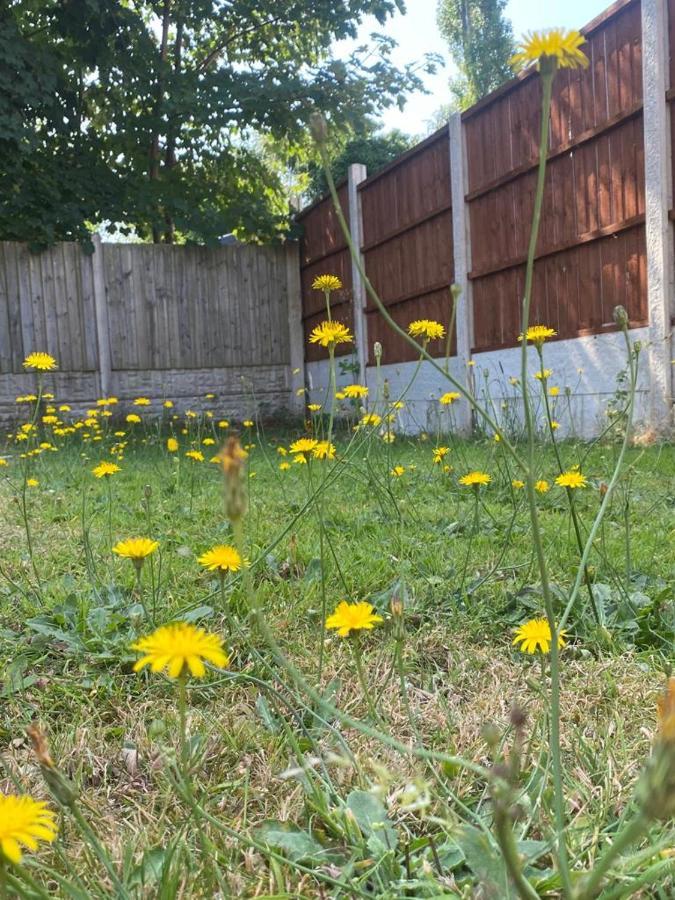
(591,253)
(162,321)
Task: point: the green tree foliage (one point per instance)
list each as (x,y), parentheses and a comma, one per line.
(373,150)
(151,113)
(481,42)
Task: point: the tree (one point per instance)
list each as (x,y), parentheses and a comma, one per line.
(481,42)
(150,113)
(373,150)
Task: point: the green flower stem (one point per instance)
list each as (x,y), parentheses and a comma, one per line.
(110,528)
(590,885)
(354,251)
(570,492)
(182,724)
(355,643)
(509,848)
(101,854)
(548,69)
(633,365)
(474,531)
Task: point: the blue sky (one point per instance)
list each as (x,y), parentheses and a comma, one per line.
(417,33)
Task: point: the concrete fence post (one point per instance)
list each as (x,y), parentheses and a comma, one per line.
(102,324)
(355,175)
(461,241)
(296,333)
(658,201)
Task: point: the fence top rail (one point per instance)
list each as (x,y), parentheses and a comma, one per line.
(594,25)
(319,200)
(441,133)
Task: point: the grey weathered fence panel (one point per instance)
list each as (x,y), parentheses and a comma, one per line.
(175,322)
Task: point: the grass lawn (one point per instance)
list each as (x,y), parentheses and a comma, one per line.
(360,817)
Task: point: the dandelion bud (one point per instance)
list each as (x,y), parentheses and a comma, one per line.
(147,491)
(318,127)
(377,351)
(518,717)
(456,291)
(620,316)
(490,734)
(63,790)
(656,789)
(232,458)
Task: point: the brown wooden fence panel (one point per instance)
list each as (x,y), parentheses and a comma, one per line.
(407,243)
(591,252)
(591,248)
(324,251)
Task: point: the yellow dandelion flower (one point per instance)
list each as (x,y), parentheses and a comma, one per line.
(247,423)
(223,558)
(50,420)
(208,441)
(195,455)
(168,404)
(135,549)
(397,471)
(133,418)
(3,462)
(180,647)
(142,401)
(314,407)
(543,374)
(32,482)
(554,391)
(282,451)
(105,469)
(23,823)
(353,617)
(303,445)
(449,398)
(572,479)
(324,450)
(40,362)
(542,486)
(327,283)
(439,454)
(223,423)
(355,391)
(340,395)
(426,329)
(171,444)
(284,466)
(558,45)
(388,437)
(537,334)
(536,634)
(371,419)
(300,459)
(475,479)
(555,425)
(330,333)
(517,484)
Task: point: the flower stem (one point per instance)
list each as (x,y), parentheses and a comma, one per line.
(548,70)
(358,662)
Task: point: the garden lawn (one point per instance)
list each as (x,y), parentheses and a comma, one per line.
(465,573)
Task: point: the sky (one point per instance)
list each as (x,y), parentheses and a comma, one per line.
(417,33)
